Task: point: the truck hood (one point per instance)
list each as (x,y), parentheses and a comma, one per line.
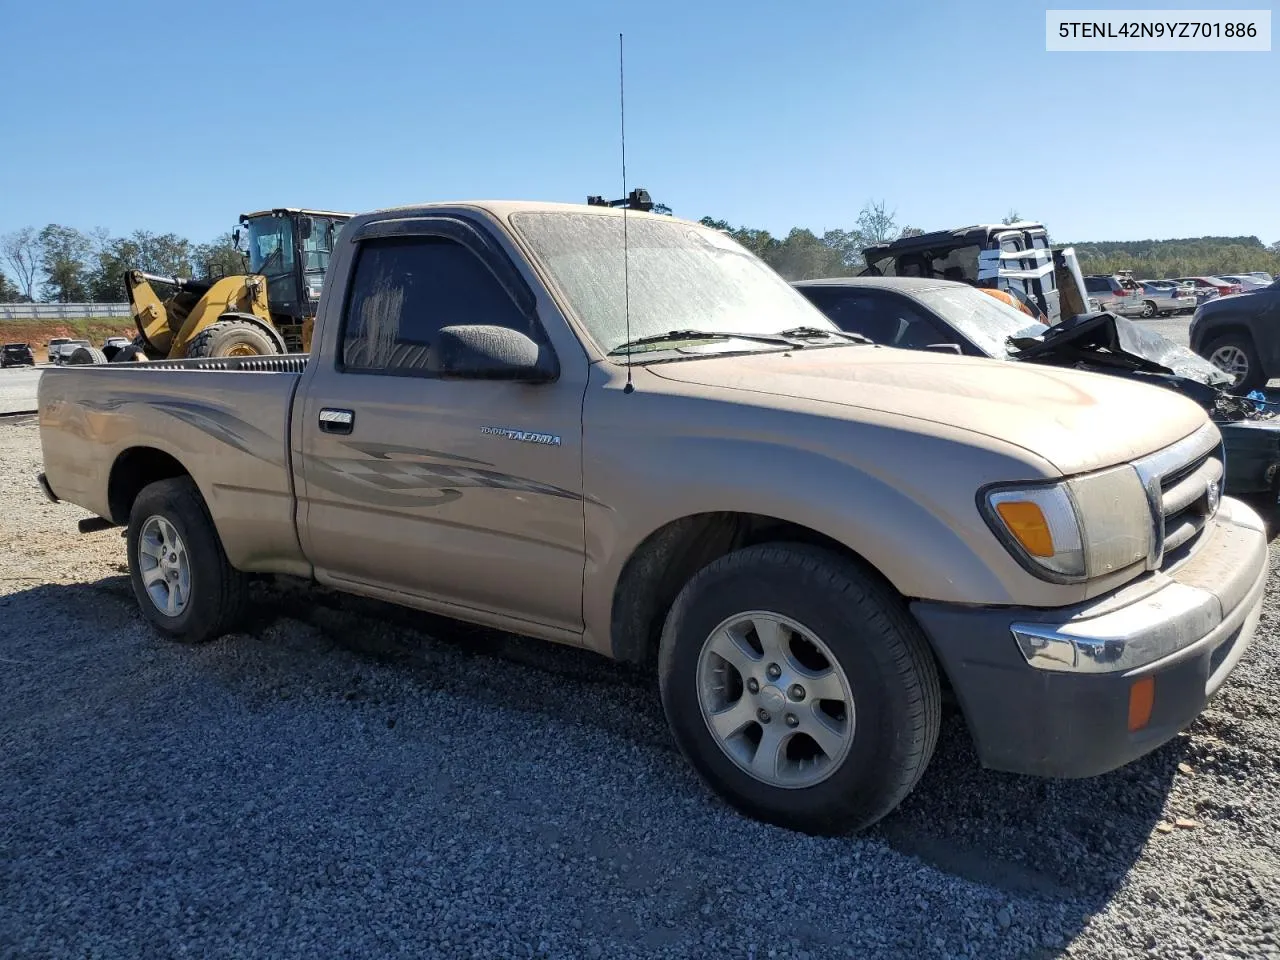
(1077,421)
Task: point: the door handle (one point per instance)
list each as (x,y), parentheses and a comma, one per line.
(333,420)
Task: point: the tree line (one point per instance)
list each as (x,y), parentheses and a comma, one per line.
(803,255)
(61,264)
(1195,257)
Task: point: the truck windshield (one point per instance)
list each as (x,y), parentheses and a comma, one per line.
(680,276)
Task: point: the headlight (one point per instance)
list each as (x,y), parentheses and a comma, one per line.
(1074,530)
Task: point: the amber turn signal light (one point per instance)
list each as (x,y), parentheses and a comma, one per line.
(1026,522)
(1142,697)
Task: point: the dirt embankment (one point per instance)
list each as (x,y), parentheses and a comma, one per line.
(38,333)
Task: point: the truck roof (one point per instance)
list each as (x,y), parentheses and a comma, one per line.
(277,211)
(902,284)
(961,236)
(505,208)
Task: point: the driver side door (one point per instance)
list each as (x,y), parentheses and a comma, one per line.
(463,494)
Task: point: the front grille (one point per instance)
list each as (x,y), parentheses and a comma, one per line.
(1183,484)
(1185,501)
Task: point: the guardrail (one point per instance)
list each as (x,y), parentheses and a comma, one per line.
(62,311)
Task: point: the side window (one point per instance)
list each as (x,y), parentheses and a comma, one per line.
(1097,285)
(405,289)
(854,312)
(915,331)
(887,320)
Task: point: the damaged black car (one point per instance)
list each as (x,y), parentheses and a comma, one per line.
(957,318)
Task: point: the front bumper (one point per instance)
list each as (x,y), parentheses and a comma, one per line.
(1049,691)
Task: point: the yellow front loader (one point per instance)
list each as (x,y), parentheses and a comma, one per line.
(269,310)
(201,318)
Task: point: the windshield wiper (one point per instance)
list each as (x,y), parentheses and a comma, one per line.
(672,336)
(809,332)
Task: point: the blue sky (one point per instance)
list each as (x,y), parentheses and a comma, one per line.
(158,116)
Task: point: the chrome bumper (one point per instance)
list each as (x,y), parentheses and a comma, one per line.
(1213,597)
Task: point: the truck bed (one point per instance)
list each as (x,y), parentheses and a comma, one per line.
(229,430)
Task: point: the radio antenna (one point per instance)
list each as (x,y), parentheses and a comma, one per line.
(626,274)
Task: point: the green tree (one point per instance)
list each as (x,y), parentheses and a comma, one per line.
(165,254)
(65,253)
(876,223)
(848,244)
(219,258)
(1011,216)
(802,256)
(8,292)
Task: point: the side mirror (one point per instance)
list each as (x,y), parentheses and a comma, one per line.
(304,227)
(944,348)
(482,352)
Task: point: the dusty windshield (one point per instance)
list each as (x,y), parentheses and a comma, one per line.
(681,277)
(980,317)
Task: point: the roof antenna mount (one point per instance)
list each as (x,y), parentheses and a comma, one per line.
(626,276)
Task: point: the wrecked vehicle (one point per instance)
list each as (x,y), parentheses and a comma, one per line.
(686,466)
(1013,257)
(940,316)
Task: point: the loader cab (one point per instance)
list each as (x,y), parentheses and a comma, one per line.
(291,248)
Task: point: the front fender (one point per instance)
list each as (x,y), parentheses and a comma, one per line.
(904,499)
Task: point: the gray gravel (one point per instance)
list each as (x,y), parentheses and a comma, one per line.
(347,779)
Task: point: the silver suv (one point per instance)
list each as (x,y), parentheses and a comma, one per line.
(1112,294)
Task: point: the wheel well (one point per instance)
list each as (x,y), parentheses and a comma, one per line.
(133,470)
(666,560)
(1226,330)
(1212,336)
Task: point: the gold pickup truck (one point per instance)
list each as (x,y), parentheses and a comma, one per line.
(634,437)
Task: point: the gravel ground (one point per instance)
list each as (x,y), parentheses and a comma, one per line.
(347,779)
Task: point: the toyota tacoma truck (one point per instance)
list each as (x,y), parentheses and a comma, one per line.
(617,430)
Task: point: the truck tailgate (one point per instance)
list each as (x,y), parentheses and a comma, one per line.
(225,422)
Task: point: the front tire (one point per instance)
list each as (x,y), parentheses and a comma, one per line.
(184,585)
(1235,354)
(133,353)
(799,688)
(82,356)
(231,338)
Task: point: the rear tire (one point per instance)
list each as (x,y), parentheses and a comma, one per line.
(1235,354)
(231,338)
(1149,309)
(880,741)
(87,355)
(184,585)
(130,354)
